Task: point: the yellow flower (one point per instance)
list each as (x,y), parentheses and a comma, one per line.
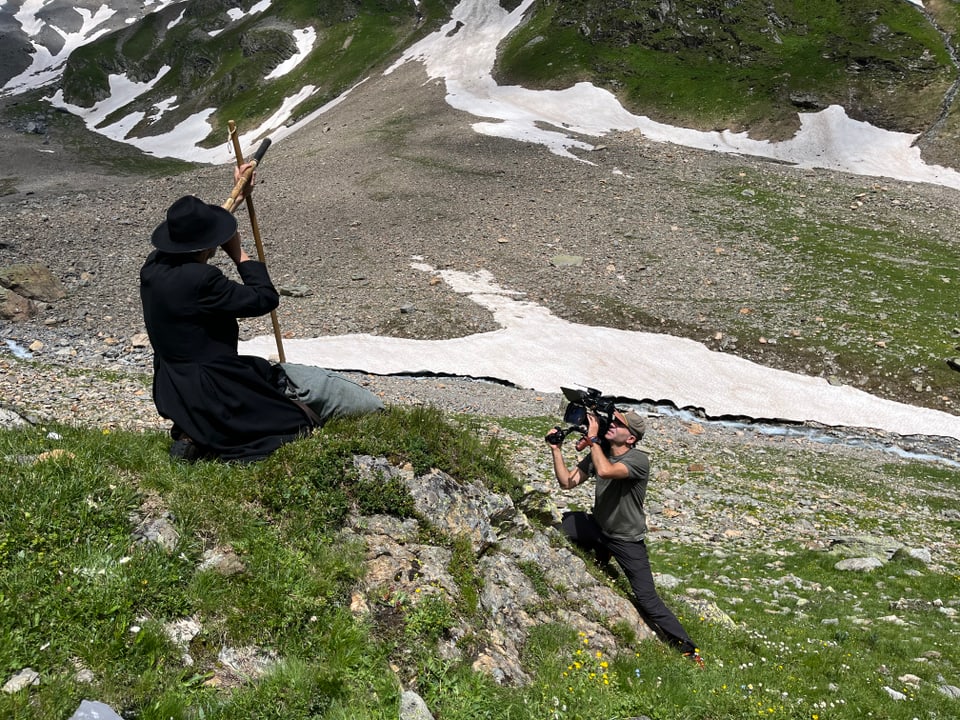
(604,664)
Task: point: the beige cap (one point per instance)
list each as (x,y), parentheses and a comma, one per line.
(634,422)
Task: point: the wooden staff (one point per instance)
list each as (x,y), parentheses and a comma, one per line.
(231,204)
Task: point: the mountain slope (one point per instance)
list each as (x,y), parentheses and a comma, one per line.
(711,65)
(751,65)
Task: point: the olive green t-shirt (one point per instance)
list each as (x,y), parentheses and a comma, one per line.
(618,504)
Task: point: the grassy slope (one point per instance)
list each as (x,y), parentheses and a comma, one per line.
(227,71)
(741,65)
(811,641)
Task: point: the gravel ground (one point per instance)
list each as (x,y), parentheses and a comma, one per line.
(390,174)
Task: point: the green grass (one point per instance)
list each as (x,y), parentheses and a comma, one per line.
(724,65)
(77,592)
(867,289)
(226,73)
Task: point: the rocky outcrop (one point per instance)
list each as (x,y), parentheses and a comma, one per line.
(523,576)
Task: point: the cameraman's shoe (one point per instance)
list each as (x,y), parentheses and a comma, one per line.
(694,656)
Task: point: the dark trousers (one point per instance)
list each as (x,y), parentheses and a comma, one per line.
(632,557)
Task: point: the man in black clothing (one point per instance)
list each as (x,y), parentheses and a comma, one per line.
(618,525)
(224,405)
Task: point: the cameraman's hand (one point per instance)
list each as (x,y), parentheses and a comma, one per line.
(554,437)
(593,425)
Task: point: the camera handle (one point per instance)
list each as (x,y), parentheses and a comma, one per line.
(559,434)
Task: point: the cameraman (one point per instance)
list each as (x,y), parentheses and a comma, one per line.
(617,526)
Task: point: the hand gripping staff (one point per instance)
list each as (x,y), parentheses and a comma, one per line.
(231,204)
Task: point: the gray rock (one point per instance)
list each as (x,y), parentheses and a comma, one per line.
(14,307)
(10,419)
(24,678)
(249,662)
(32,281)
(951,691)
(157,530)
(223,561)
(93,710)
(462,509)
(894,694)
(412,707)
(921,554)
(181,633)
(297,291)
(860,546)
(863,564)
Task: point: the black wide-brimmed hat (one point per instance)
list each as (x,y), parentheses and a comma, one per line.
(193,225)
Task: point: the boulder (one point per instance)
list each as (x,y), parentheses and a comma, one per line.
(15,308)
(34,282)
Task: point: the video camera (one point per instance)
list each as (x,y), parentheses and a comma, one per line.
(579,403)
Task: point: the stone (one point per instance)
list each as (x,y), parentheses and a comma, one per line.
(93,710)
(223,561)
(951,691)
(894,694)
(412,707)
(295,291)
(34,282)
(859,564)
(158,530)
(23,679)
(181,633)
(10,419)
(566,261)
(14,307)
(860,546)
(249,662)
(462,509)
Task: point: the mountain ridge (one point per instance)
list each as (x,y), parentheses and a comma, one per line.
(740,67)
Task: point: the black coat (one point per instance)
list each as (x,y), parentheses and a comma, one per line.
(231,405)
